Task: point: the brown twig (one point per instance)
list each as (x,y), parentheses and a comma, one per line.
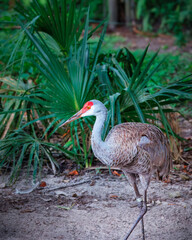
(102,167)
(70,185)
(184,160)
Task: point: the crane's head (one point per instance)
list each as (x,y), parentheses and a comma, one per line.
(90,108)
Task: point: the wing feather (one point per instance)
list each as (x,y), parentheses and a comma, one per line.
(140,144)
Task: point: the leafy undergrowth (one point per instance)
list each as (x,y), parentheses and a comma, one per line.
(53,73)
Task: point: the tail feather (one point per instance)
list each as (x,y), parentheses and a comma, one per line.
(167,163)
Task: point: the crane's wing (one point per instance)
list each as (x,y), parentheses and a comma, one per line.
(143,142)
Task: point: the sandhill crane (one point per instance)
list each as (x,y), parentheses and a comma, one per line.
(138,149)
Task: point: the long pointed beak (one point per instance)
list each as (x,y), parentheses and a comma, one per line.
(74,117)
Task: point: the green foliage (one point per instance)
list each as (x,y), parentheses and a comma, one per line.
(58,20)
(173,67)
(98,8)
(171,16)
(7,35)
(15,52)
(110,43)
(131,96)
(18,146)
(4,6)
(59,25)
(63,24)
(72,71)
(69,84)
(20,102)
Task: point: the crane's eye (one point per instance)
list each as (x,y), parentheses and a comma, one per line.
(88,105)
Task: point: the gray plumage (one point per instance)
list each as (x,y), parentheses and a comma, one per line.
(138,148)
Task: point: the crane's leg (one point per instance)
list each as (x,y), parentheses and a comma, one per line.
(140,217)
(142,205)
(139,203)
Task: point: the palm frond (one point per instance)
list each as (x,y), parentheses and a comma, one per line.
(22,146)
(138,100)
(61,20)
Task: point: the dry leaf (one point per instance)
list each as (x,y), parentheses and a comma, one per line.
(28,210)
(65,134)
(116,173)
(75,195)
(42,184)
(167,180)
(73,173)
(113,196)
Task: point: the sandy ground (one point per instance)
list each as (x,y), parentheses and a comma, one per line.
(102,208)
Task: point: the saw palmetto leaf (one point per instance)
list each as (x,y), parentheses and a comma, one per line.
(19,146)
(62,20)
(63,58)
(69,84)
(21,102)
(128,79)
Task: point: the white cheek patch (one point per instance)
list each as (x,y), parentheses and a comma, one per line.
(89,112)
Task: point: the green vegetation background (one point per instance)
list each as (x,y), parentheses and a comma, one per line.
(52,62)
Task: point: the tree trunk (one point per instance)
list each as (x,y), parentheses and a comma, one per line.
(113,9)
(129,12)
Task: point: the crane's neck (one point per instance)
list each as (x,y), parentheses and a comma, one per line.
(98,127)
(99,147)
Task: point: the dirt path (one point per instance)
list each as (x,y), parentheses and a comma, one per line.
(102,209)
(139,40)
